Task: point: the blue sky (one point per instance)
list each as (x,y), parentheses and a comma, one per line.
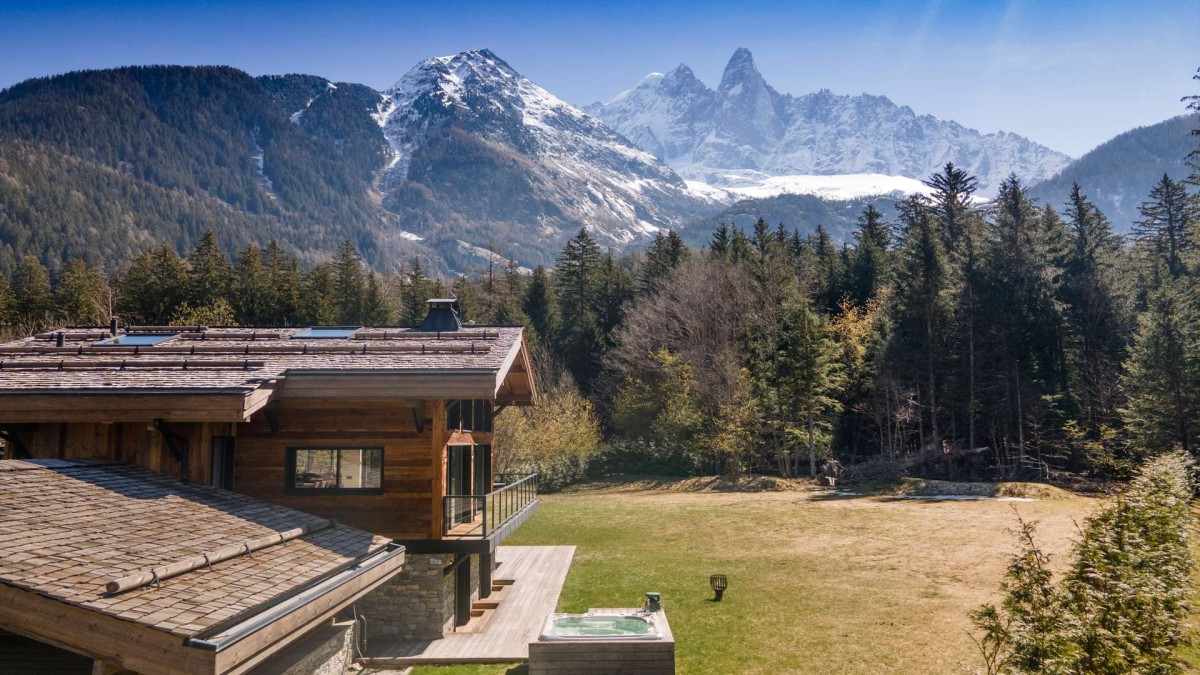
(1069,74)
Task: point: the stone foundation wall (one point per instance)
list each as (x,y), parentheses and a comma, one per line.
(418,603)
(326,650)
(410,605)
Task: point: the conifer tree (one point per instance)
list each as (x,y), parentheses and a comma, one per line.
(924,284)
(870,263)
(964,235)
(286,286)
(31,288)
(1168,226)
(663,256)
(318,296)
(208,272)
(375,310)
(577,275)
(83,295)
(721,241)
(349,284)
(539,306)
(810,376)
(250,290)
(830,271)
(1096,325)
(7,302)
(416,294)
(1162,379)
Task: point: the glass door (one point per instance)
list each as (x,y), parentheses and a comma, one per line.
(458,481)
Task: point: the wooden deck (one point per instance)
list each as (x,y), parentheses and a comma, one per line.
(537,574)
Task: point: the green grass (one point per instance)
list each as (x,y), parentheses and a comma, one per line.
(815,585)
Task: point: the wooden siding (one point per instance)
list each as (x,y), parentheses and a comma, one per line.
(410,479)
(411,432)
(135,443)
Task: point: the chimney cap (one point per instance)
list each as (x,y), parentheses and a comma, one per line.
(442,316)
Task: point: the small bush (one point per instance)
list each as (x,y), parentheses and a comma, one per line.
(1122,604)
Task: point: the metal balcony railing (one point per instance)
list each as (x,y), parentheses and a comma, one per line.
(481,515)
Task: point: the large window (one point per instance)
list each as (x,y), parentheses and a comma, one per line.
(335,470)
(469,415)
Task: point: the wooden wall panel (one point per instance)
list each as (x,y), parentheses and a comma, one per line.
(406,507)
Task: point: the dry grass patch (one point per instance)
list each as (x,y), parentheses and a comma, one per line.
(817,585)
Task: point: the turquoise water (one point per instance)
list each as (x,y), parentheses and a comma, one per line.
(597,626)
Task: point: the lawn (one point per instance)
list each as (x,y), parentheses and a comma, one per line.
(816,584)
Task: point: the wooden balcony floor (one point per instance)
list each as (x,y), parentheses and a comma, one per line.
(537,574)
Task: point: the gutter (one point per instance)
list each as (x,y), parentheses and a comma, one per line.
(223,635)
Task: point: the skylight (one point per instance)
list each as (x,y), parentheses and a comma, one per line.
(328,332)
(136,340)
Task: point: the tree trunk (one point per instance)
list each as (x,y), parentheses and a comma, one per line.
(812,449)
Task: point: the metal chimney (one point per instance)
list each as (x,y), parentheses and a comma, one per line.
(442,316)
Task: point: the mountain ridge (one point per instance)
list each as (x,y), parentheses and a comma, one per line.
(744,127)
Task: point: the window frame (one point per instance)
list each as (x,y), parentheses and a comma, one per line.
(289,476)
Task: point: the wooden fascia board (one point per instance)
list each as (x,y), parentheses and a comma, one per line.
(106,638)
(519,351)
(247,653)
(125,406)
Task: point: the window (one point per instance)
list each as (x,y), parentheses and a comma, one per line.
(469,415)
(335,470)
(328,332)
(136,340)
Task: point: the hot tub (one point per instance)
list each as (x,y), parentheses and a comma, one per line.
(628,641)
(601,626)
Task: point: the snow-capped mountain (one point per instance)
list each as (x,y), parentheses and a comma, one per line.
(481,151)
(746,130)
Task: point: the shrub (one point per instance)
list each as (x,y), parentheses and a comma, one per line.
(1122,604)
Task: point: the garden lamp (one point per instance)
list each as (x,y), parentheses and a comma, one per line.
(718,583)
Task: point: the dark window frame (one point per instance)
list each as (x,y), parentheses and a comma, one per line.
(289,477)
(469,414)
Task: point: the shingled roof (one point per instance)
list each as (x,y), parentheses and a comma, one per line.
(476,362)
(194,564)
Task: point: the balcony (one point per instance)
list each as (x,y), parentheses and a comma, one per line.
(494,515)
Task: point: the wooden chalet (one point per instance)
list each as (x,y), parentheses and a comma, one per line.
(385,430)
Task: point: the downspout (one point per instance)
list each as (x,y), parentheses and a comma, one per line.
(178,445)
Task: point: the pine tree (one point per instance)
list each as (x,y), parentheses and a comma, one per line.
(1162,379)
(830,271)
(83,295)
(924,286)
(663,256)
(286,285)
(810,376)
(577,276)
(964,237)
(539,306)
(7,302)
(349,284)
(1030,631)
(1026,357)
(870,263)
(250,290)
(318,297)
(208,272)
(952,191)
(721,241)
(31,288)
(416,294)
(375,310)
(1168,224)
(1096,325)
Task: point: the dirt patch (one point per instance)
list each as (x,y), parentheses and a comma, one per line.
(697,484)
